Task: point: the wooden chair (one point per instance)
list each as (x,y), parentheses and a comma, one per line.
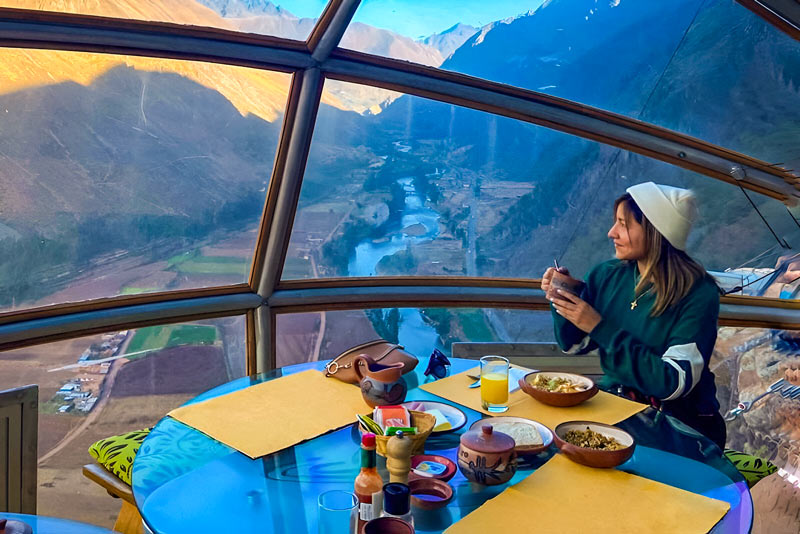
(540,356)
(19,434)
(128,521)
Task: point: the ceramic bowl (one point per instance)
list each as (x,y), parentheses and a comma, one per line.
(387,525)
(544,432)
(558,399)
(594,457)
(487,457)
(430,493)
(449,472)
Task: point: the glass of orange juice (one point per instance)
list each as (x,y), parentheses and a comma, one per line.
(494,384)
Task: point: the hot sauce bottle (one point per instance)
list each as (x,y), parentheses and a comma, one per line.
(369,484)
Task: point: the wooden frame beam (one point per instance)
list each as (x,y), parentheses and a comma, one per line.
(566,116)
(71,325)
(23,28)
(783,14)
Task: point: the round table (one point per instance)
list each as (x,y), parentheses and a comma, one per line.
(41,524)
(184,481)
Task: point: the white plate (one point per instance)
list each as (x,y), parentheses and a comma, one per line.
(544,432)
(453,414)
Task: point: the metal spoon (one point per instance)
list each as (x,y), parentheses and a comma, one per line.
(477,382)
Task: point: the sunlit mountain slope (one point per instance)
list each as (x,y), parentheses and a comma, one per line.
(253,91)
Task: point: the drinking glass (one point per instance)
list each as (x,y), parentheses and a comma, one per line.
(494,384)
(337,512)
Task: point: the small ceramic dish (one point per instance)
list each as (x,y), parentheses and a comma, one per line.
(454,415)
(429,493)
(449,472)
(595,457)
(558,399)
(499,422)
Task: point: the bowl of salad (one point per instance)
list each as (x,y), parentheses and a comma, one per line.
(557,388)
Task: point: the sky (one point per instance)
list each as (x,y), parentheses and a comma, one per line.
(420,18)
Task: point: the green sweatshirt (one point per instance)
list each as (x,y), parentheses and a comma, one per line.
(665,357)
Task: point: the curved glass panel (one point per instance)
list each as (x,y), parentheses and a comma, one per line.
(307,337)
(94,387)
(126,175)
(708,68)
(426,188)
(290,19)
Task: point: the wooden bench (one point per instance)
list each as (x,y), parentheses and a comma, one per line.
(128,521)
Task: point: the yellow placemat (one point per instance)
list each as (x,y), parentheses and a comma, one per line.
(273,415)
(602,408)
(563,496)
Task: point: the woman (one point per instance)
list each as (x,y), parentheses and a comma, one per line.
(651,314)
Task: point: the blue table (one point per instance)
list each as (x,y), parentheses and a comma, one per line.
(184,481)
(54,525)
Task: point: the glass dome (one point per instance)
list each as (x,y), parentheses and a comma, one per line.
(259,177)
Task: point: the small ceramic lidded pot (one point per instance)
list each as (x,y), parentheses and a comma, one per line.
(487,457)
(381,385)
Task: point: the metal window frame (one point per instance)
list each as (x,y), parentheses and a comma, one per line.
(783,14)
(311,62)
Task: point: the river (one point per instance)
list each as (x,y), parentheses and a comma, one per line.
(418,337)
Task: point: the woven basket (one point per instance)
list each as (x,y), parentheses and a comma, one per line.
(424,423)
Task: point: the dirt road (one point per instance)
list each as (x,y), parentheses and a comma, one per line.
(108,384)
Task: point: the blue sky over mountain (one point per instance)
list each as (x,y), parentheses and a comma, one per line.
(420,18)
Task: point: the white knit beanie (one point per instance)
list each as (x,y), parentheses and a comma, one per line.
(670,209)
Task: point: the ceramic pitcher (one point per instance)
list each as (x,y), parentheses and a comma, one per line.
(381,385)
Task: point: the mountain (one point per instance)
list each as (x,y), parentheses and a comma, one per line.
(263,17)
(179,11)
(259,92)
(131,142)
(262,93)
(372,40)
(449,40)
(739,89)
(244,8)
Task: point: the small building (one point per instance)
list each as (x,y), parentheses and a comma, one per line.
(65,408)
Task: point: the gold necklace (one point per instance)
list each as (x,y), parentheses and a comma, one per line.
(635,302)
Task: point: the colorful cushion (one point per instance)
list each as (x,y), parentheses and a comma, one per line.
(752,468)
(116,453)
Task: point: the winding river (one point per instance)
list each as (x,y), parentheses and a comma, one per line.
(418,337)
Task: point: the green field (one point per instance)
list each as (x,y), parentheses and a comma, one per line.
(160,337)
(296,268)
(474,325)
(128,290)
(202,266)
(194,263)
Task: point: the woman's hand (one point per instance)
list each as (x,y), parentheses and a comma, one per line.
(576,310)
(548,276)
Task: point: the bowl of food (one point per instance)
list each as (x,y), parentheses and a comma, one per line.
(594,444)
(558,389)
(530,437)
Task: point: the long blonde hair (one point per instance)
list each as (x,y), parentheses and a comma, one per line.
(669,272)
